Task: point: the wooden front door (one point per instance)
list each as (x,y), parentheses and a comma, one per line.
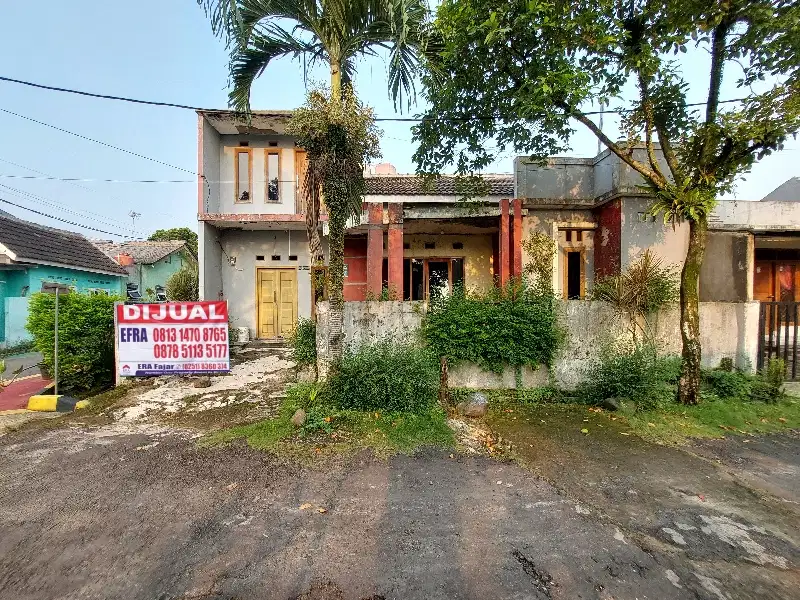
(277,302)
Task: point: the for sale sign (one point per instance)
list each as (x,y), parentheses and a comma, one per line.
(173,338)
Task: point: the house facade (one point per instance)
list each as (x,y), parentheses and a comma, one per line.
(32,255)
(149,264)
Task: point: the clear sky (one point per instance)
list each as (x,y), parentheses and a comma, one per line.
(161,50)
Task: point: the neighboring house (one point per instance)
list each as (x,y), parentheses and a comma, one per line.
(788,191)
(148,264)
(32,255)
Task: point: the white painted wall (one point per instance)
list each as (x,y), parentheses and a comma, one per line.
(210,267)
(767,215)
(239,281)
(210,149)
(258,203)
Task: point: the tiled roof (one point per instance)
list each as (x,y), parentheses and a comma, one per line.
(34,243)
(788,191)
(444,185)
(142,252)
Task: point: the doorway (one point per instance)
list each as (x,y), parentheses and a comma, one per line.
(276,291)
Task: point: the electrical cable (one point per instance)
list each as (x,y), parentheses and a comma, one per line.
(65,220)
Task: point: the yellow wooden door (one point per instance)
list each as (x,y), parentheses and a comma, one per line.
(277,302)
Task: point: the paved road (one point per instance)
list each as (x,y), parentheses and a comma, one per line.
(144,514)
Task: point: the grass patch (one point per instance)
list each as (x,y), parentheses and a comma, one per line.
(675,423)
(329,430)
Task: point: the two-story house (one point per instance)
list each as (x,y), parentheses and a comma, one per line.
(412,239)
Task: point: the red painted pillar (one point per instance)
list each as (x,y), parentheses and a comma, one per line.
(505,246)
(374,248)
(395,248)
(516,238)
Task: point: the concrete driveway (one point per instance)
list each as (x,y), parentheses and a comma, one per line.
(142,512)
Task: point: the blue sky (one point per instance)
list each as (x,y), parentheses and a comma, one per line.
(163,50)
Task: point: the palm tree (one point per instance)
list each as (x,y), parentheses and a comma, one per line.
(336,32)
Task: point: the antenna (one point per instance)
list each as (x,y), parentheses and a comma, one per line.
(134,215)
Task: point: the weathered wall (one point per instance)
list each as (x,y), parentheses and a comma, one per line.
(727,330)
(637,235)
(258,204)
(210,165)
(476,251)
(15,316)
(563,178)
(239,280)
(727,271)
(607,243)
(767,215)
(210,253)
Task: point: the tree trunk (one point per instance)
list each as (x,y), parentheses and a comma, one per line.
(689,384)
(336,273)
(336,80)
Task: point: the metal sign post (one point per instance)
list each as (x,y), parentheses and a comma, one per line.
(55,288)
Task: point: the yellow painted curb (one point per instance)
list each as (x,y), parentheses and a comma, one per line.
(44,403)
(81,404)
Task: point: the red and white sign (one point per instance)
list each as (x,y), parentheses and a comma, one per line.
(172,338)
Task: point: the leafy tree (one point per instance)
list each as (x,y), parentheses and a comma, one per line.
(177,233)
(183,285)
(533,66)
(335,32)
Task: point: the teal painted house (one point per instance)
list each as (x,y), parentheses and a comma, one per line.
(32,255)
(148,264)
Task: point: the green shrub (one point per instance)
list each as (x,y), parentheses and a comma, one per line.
(767,386)
(637,374)
(304,342)
(184,285)
(728,385)
(513,326)
(385,376)
(85,341)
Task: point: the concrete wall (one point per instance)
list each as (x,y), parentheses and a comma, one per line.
(637,235)
(477,253)
(239,280)
(727,271)
(150,276)
(210,164)
(82,281)
(727,330)
(258,203)
(562,178)
(15,315)
(767,215)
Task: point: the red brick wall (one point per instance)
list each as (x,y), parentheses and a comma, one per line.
(608,240)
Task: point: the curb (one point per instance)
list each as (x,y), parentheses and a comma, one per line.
(52,403)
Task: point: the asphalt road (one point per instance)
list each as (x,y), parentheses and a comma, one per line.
(112,513)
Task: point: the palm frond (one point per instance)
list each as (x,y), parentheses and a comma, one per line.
(225,17)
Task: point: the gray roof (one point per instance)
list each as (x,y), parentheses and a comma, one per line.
(788,191)
(443,185)
(142,252)
(37,244)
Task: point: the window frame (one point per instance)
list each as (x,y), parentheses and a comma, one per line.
(267,153)
(236,152)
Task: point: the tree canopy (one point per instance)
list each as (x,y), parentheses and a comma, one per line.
(177,233)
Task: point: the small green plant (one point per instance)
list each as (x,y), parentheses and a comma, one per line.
(541,249)
(768,384)
(85,342)
(513,326)
(318,419)
(385,376)
(304,342)
(728,385)
(638,374)
(183,285)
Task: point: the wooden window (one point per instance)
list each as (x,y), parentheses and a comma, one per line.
(272,167)
(243,175)
(426,278)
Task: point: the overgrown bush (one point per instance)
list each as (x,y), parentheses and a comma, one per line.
(728,385)
(638,374)
(768,384)
(514,326)
(303,341)
(385,376)
(85,340)
(184,285)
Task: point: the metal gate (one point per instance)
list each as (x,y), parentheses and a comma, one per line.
(777,335)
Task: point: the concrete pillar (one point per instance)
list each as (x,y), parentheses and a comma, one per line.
(395,249)
(516,238)
(505,243)
(374,248)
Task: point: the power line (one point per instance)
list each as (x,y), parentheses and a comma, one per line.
(64,220)
(83,137)
(88,179)
(83,214)
(196,108)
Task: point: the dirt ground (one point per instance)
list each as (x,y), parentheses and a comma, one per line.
(137,509)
